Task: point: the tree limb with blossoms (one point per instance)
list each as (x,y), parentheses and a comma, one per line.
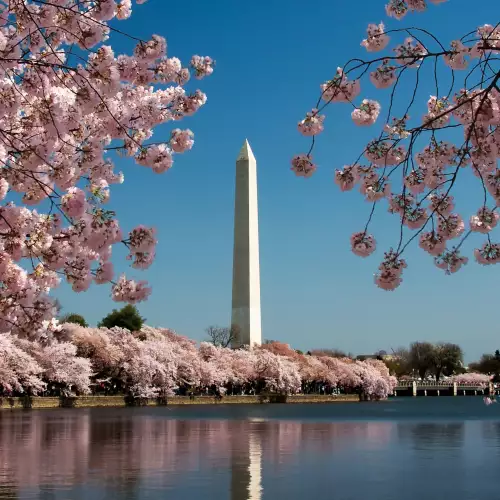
(67,104)
(417,182)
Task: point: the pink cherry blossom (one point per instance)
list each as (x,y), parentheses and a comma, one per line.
(373,186)
(384,76)
(432,242)
(484,221)
(74,203)
(450,261)
(142,239)
(441,203)
(377,39)
(362,244)
(414,181)
(181,140)
(384,153)
(347,178)
(410,52)
(130,291)
(158,157)
(124,9)
(400,204)
(415,218)
(489,40)
(4,187)
(451,226)
(303,166)
(203,66)
(398,129)
(457,57)
(438,113)
(488,254)
(340,88)
(367,113)
(396,8)
(104,273)
(312,124)
(390,271)
(417,5)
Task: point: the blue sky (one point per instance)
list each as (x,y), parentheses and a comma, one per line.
(271,57)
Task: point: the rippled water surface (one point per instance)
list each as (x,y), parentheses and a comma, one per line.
(404,449)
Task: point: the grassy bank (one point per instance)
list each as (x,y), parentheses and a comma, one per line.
(121,401)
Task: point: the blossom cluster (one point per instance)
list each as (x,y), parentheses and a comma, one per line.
(63,113)
(415,183)
(155,362)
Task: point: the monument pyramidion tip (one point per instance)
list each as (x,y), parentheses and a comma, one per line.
(246,152)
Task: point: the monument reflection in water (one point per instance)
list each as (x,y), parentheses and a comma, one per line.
(145,453)
(246,467)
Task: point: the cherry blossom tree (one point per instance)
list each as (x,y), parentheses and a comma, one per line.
(68,104)
(147,367)
(479,379)
(189,363)
(18,370)
(243,367)
(372,384)
(415,158)
(383,372)
(97,345)
(311,369)
(217,358)
(60,364)
(277,372)
(280,349)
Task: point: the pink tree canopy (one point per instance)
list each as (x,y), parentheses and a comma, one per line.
(418,152)
(61,364)
(18,370)
(64,112)
(156,361)
(474,379)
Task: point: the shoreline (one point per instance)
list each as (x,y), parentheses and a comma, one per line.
(37,402)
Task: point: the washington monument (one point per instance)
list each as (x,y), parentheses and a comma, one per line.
(245,317)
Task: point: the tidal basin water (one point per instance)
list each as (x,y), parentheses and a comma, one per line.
(404,449)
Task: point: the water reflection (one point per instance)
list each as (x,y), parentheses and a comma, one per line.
(246,466)
(122,454)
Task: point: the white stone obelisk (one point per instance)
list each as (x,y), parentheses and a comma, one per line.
(246,317)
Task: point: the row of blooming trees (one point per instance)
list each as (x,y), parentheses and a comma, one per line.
(413,161)
(158,362)
(478,379)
